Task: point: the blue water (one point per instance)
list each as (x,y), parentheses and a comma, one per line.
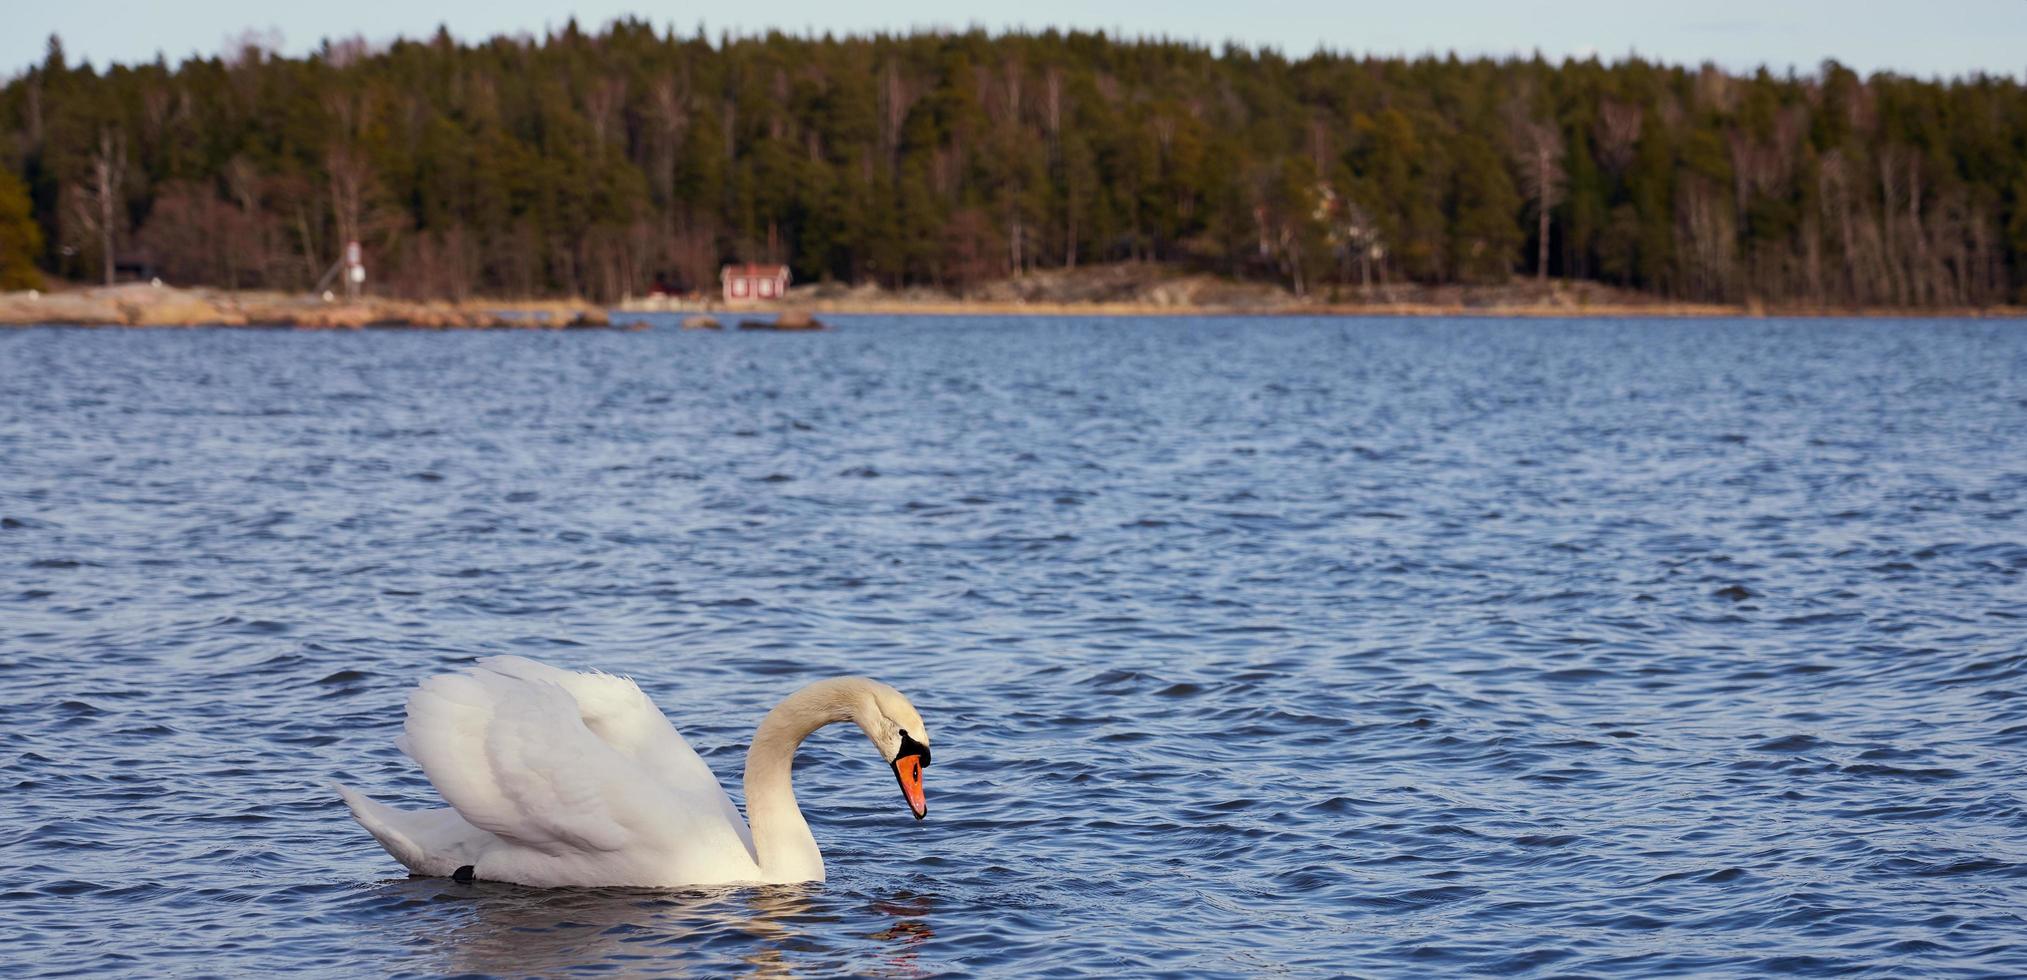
(1249,646)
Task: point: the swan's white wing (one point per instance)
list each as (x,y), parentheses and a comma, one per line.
(516,760)
(622,715)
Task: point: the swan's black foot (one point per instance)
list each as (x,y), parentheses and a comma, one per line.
(464,875)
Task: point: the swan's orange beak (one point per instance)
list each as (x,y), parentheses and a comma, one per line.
(908,769)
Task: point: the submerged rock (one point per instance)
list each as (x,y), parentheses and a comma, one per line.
(788,320)
(702,322)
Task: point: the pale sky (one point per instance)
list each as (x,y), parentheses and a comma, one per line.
(1918,37)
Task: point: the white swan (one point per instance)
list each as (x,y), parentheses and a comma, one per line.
(556,778)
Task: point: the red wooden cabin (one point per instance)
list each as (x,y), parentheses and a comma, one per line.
(750,283)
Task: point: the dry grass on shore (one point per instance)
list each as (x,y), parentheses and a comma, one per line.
(144,305)
(1125,289)
(1149,289)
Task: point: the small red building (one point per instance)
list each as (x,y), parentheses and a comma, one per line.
(748,283)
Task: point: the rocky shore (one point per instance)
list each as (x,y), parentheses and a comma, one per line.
(145,305)
(1151,289)
(1126,289)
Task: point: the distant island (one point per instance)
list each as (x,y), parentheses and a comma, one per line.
(1010,171)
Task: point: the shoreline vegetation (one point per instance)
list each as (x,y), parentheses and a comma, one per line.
(955,169)
(1123,289)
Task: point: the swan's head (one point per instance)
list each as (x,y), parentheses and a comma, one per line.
(897,730)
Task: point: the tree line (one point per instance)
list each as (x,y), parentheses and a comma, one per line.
(600,164)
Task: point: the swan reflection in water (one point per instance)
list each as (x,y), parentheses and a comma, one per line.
(499,929)
(909,929)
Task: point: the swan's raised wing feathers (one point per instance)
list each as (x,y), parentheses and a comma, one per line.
(516,760)
(578,776)
(620,714)
(613,707)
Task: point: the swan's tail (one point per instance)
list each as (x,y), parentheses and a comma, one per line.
(384,823)
(426,842)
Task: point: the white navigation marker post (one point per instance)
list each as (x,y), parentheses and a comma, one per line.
(355,269)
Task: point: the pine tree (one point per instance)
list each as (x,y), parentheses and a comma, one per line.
(20,236)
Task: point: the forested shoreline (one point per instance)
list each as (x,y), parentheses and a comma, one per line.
(599,164)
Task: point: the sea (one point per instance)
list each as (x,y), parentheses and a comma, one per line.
(1248,646)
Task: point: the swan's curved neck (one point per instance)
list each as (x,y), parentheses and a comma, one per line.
(782,844)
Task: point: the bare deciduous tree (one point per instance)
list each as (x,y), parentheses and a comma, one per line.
(602,103)
(1538,147)
(1618,131)
(96,210)
(670,97)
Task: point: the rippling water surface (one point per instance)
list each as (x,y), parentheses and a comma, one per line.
(1397,647)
